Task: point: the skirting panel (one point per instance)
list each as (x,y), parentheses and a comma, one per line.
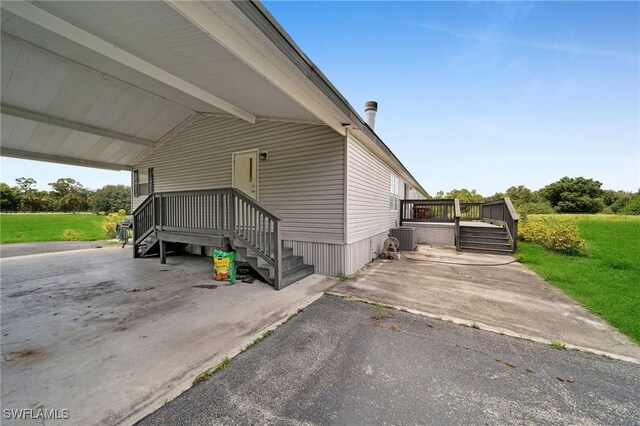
(328,259)
(362,252)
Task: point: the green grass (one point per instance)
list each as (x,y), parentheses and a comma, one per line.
(599,217)
(206,374)
(557,344)
(33,227)
(607,279)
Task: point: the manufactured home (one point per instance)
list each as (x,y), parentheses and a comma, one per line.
(233,137)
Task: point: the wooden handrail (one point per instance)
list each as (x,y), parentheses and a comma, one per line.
(512,210)
(141,206)
(256,204)
(502,212)
(226,212)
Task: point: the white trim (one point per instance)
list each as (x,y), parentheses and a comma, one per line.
(216,28)
(71,125)
(37,156)
(69,31)
(233,169)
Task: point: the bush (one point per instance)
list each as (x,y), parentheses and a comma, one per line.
(70,235)
(556,235)
(633,206)
(111,198)
(111,221)
(539,207)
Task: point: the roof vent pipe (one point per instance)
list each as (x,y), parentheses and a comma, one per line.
(370,109)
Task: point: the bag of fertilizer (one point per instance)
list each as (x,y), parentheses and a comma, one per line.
(224,265)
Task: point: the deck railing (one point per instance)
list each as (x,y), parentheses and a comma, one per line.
(440,210)
(503,213)
(471,211)
(499,212)
(226,212)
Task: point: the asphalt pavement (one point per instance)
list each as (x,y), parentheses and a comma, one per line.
(350,363)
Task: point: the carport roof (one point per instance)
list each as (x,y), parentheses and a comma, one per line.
(101,83)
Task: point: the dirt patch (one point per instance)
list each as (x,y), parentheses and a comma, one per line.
(507,363)
(142,288)
(25,355)
(207,286)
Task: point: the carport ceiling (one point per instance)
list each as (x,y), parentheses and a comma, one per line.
(100,83)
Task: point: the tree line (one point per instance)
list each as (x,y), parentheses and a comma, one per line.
(567,195)
(66,195)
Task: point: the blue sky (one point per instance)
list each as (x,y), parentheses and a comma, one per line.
(480,95)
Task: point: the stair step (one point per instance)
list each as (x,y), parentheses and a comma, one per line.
(296,274)
(485,251)
(492,246)
(484,239)
(291,262)
(482,231)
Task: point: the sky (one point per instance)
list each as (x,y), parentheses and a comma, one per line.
(481,95)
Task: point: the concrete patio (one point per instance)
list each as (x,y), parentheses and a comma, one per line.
(76,336)
(510,298)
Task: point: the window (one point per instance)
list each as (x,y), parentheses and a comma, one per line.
(142,182)
(394,193)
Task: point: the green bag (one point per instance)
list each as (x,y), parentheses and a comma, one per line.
(224,265)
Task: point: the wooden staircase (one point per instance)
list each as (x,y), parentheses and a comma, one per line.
(219,218)
(485,239)
(293,268)
(150,246)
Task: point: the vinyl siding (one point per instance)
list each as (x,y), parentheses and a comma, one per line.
(360,253)
(302,181)
(368,180)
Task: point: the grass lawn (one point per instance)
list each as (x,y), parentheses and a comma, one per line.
(607,279)
(31,227)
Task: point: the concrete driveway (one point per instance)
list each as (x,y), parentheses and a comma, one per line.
(349,363)
(76,336)
(509,299)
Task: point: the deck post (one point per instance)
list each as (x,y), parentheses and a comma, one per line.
(160,219)
(163,252)
(277,273)
(231,208)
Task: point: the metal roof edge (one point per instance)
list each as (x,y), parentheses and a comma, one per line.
(258,14)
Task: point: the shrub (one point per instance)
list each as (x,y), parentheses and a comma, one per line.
(633,206)
(111,221)
(70,235)
(556,235)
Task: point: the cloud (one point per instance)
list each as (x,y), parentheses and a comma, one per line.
(492,37)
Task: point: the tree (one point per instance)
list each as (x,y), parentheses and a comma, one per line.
(70,195)
(111,198)
(29,198)
(574,195)
(633,206)
(496,196)
(521,194)
(9,198)
(26,184)
(465,195)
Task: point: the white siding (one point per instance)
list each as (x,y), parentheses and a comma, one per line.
(368,180)
(302,181)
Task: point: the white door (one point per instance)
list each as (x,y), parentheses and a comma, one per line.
(245,172)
